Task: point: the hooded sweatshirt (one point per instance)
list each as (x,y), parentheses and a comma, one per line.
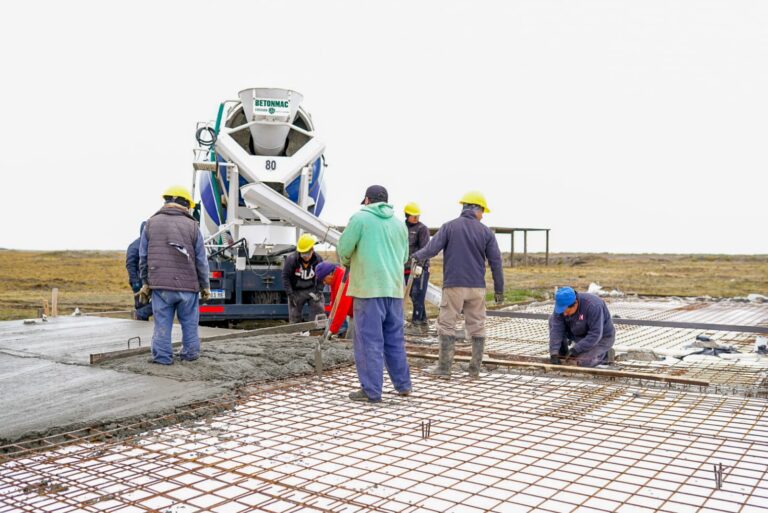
(374,246)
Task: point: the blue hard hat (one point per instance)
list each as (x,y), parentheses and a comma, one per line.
(564,297)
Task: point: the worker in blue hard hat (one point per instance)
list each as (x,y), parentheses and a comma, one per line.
(173,266)
(418,237)
(466,244)
(300,282)
(580,329)
(141,311)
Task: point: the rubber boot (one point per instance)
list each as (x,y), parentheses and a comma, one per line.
(478,346)
(445,360)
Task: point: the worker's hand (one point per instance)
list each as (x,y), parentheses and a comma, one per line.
(205,295)
(416,268)
(499,297)
(554,359)
(314,296)
(144,294)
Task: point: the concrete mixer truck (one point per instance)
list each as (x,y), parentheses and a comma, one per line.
(260,169)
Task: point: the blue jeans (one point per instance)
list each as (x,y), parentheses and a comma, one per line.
(378,343)
(418,295)
(166,303)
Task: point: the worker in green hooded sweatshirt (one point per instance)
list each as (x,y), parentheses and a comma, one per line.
(374,246)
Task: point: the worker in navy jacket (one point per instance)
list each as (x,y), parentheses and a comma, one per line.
(580,329)
(141,312)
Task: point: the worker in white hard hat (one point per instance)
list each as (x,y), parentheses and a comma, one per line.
(300,282)
(466,244)
(173,267)
(418,237)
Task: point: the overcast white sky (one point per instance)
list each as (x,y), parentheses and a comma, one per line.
(624,126)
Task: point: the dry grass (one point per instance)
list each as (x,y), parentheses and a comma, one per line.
(97,280)
(91,280)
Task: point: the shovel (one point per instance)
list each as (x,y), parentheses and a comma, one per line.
(327,332)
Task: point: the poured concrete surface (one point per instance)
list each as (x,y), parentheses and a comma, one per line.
(74,339)
(47,385)
(242,360)
(40,396)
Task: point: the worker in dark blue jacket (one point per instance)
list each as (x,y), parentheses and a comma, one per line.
(141,312)
(466,244)
(418,237)
(580,329)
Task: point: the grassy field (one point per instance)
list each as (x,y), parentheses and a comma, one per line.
(97,281)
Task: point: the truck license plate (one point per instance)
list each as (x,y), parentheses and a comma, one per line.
(218,294)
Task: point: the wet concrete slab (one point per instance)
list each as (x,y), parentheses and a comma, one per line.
(47,384)
(74,339)
(40,396)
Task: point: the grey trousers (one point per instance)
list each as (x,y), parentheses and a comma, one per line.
(296,302)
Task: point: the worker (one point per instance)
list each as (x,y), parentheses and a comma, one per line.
(374,246)
(466,244)
(174,269)
(300,282)
(333,275)
(418,237)
(584,320)
(140,312)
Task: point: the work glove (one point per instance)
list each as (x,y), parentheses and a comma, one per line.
(205,295)
(416,268)
(499,297)
(144,294)
(314,296)
(554,359)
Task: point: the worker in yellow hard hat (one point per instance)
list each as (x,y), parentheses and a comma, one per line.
(177,192)
(466,244)
(418,237)
(173,268)
(300,280)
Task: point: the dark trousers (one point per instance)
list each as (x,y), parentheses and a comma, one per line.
(143,312)
(418,295)
(593,356)
(296,302)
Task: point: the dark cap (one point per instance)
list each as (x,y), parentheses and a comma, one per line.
(375,193)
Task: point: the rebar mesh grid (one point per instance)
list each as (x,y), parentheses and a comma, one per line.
(678,310)
(530,336)
(528,339)
(502,443)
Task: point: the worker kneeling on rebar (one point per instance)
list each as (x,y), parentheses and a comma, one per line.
(580,329)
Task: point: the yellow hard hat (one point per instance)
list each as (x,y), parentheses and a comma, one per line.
(305,243)
(412,209)
(475,198)
(177,191)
